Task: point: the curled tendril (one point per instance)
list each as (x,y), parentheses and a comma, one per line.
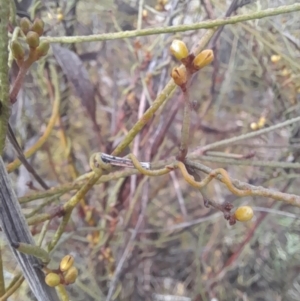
(97,165)
(226,180)
(147,172)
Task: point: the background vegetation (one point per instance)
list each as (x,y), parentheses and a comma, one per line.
(153,238)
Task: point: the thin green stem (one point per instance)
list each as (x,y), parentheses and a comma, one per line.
(195,154)
(59,232)
(14,37)
(81,192)
(62,293)
(43,233)
(55,112)
(225,155)
(33,250)
(13,11)
(185,129)
(140,15)
(44,204)
(99,168)
(290,199)
(76,185)
(159,101)
(4,77)
(271,164)
(39,218)
(2,280)
(12,289)
(179,28)
(13,281)
(162,97)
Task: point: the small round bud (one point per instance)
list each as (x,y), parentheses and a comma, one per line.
(43,49)
(60,17)
(285,72)
(70,275)
(52,279)
(243,213)
(17,50)
(25,25)
(179,76)
(254,126)
(275,58)
(32,39)
(203,59)
(59,14)
(179,50)
(261,122)
(145,13)
(38,26)
(66,263)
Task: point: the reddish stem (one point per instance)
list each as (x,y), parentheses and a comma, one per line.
(18,83)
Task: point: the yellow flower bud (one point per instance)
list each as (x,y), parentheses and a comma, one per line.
(38,26)
(261,122)
(203,59)
(25,25)
(243,213)
(32,39)
(70,275)
(60,16)
(66,263)
(179,76)
(275,58)
(285,72)
(253,126)
(43,48)
(179,49)
(17,50)
(145,13)
(52,279)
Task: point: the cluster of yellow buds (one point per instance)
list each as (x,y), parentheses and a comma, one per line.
(106,253)
(66,274)
(32,33)
(191,62)
(287,78)
(285,72)
(259,124)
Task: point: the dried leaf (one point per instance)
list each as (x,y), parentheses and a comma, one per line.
(77,74)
